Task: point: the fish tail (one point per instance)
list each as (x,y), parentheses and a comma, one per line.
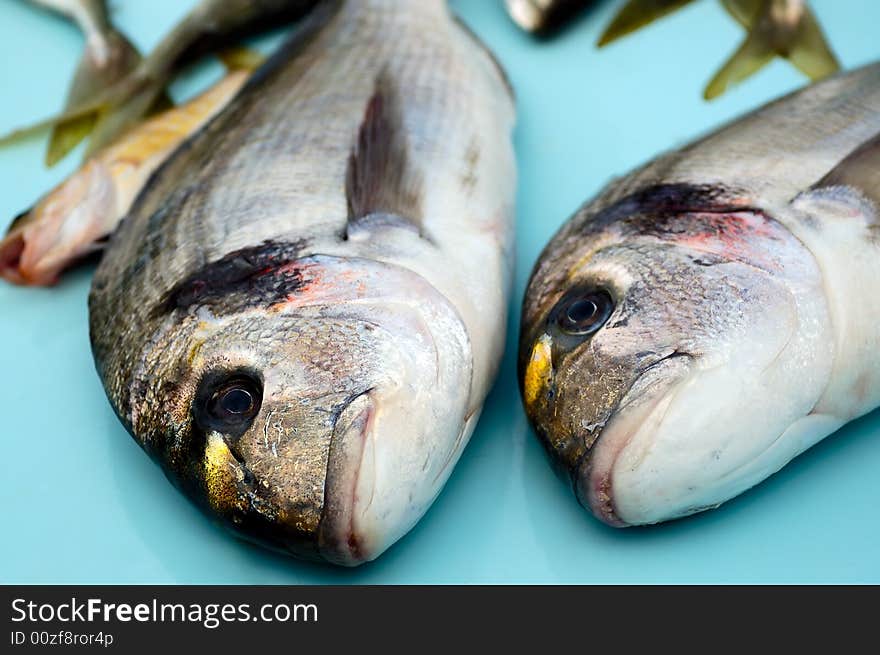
(104,62)
(636,14)
(802,44)
(810,52)
(754,53)
(76,217)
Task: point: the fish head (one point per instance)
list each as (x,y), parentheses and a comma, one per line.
(316,409)
(672,350)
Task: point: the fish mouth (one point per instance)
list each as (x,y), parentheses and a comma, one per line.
(635,416)
(234,495)
(343,538)
(11,252)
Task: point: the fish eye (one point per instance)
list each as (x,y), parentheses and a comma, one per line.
(583,312)
(228,403)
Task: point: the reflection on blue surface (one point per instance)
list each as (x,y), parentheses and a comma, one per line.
(81,503)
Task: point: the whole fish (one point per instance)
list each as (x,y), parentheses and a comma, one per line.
(712,315)
(301,315)
(108,56)
(776,28)
(75,218)
(212,25)
(542,17)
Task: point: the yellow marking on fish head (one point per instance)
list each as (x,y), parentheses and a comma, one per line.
(222,473)
(539,371)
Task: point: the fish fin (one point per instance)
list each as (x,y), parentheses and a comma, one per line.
(636,14)
(754,53)
(93,75)
(744,12)
(119,118)
(378,179)
(859,170)
(810,53)
(241,58)
(77,217)
(91,108)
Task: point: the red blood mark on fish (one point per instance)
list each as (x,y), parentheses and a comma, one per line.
(740,236)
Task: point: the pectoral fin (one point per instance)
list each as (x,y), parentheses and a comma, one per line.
(379,180)
(860,170)
(635,14)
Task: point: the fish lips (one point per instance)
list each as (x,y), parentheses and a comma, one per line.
(349,485)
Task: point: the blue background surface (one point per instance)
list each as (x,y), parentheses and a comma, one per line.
(81,503)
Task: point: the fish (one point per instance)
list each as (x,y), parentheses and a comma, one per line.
(107,57)
(212,25)
(75,219)
(713,314)
(302,313)
(542,17)
(775,28)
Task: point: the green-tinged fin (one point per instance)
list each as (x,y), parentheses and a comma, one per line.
(859,170)
(381,189)
(750,57)
(119,118)
(21,133)
(810,53)
(91,78)
(744,12)
(208,27)
(635,14)
(776,28)
(241,58)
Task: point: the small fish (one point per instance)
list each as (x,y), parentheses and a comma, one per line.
(108,56)
(211,26)
(302,313)
(541,17)
(712,315)
(76,218)
(776,28)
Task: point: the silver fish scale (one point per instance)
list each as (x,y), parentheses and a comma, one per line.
(839,114)
(273,165)
(253,176)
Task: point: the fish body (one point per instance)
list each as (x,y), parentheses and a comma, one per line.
(303,312)
(712,315)
(75,218)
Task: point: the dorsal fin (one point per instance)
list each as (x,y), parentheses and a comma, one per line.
(379,179)
(859,170)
